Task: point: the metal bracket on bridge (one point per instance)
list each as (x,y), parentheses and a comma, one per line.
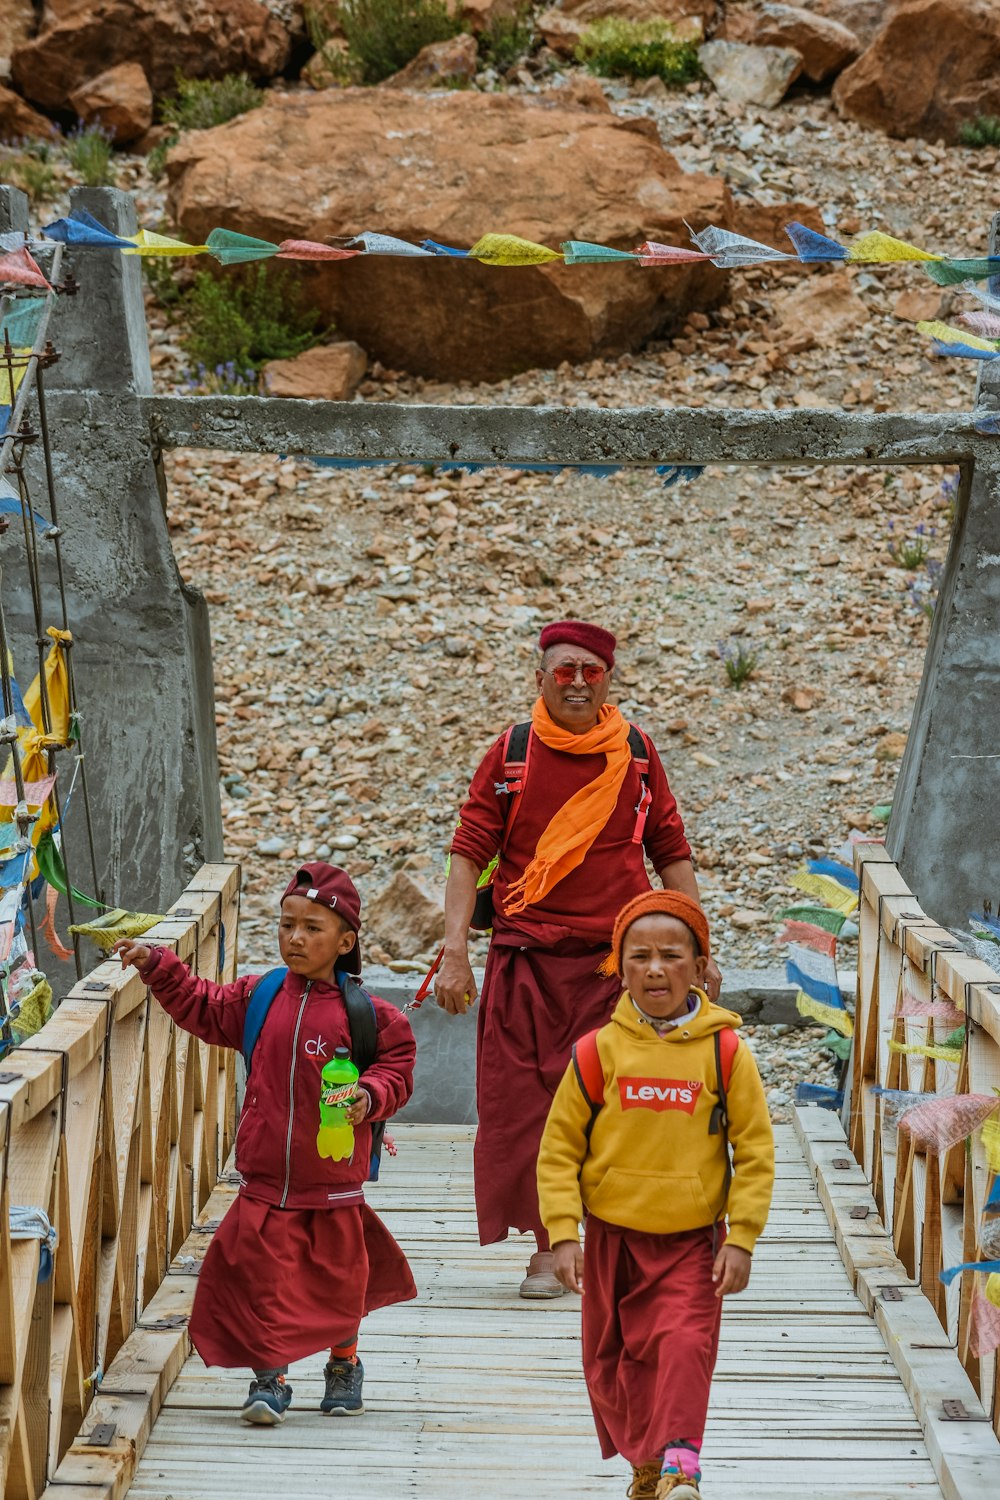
(102,1435)
(859,1211)
(162,1325)
(843,1163)
(954,1410)
(891,1293)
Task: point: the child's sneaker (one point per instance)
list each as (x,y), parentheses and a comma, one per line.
(344,1379)
(680,1475)
(644,1481)
(267,1402)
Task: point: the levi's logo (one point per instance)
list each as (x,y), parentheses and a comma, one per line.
(659,1093)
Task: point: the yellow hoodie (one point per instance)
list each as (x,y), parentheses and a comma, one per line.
(650,1163)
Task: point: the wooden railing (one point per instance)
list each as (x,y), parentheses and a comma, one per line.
(932,1203)
(117,1125)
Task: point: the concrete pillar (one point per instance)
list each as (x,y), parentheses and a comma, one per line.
(142,652)
(945,824)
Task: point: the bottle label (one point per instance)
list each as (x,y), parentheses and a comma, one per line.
(338,1096)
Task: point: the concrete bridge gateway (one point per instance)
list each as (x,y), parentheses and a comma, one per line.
(846,1370)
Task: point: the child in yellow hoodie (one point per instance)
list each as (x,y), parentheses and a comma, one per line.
(638,1140)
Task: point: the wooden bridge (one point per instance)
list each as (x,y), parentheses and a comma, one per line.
(844,1370)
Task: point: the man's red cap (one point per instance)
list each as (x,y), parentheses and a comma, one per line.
(578,633)
(329,886)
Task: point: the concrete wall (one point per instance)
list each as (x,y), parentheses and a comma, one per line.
(142,651)
(945,826)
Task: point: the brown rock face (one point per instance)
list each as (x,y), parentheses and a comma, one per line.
(199,37)
(826,47)
(18,121)
(407,917)
(332,372)
(120,100)
(934,65)
(17,23)
(450,167)
(436,65)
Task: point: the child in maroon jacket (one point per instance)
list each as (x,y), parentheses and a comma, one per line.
(300,1257)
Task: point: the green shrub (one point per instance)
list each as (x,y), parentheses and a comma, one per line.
(506,39)
(88,148)
(156,161)
(614,48)
(29,169)
(246,319)
(201,103)
(384,35)
(984,130)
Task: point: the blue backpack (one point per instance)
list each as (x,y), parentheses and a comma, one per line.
(360,1018)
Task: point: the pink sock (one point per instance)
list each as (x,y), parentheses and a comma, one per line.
(681,1459)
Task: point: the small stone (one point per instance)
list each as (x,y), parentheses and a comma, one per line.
(271,847)
(344,841)
(891,746)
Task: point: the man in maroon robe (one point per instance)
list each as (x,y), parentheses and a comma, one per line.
(571,848)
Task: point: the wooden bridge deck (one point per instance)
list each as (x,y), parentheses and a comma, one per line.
(471,1391)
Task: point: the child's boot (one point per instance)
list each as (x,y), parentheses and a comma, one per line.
(679,1475)
(344,1379)
(268,1399)
(644,1481)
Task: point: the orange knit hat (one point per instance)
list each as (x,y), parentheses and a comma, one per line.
(672,904)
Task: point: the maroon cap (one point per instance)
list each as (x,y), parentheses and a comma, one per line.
(332,887)
(578,633)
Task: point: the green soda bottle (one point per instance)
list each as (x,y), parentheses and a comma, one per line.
(336,1133)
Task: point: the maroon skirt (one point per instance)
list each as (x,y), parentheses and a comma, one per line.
(535,1003)
(650,1336)
(280,1284)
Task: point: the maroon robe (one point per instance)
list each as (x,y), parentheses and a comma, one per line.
(541,990)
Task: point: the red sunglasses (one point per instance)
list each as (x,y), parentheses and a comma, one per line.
(565,676)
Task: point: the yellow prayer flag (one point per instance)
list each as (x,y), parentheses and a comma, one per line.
(875,247)
(148,243)
(991,1144)
(12,375)
(828,1015)
(510,250)
(836,896)
(942,1054)
(56,690)
(106,930)
(992,1288)
(949,335)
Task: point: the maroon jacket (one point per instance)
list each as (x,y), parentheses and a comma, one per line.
(276,1155)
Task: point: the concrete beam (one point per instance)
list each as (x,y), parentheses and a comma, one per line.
(640,436)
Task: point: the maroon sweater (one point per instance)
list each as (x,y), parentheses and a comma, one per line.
(587,900)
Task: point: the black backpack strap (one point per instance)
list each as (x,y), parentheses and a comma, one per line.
(639,748)
(363,1024)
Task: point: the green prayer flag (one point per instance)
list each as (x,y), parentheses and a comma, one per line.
(232,249)
(954,272)
(50,864)
(819,916)
(582,252)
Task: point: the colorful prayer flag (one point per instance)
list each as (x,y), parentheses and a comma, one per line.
(810,245)
(511,250)
(878,248)
(730,250)
(582,253)
(311,250)
(231,249)
(147,243)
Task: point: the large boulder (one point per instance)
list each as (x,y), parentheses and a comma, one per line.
(863,17)
(750,75)
(18,22)
(18,121)
(407,917)
(934,66)
(562,25)
(331,372)
(826,47)
(199,38)
(120,100)
(449,167)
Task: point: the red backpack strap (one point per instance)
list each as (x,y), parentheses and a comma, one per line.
(639,747)
(589,1074)
(729,1042)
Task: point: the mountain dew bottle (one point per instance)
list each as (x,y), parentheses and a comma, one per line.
(336,1133)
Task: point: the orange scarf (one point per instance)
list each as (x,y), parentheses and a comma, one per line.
(566,841)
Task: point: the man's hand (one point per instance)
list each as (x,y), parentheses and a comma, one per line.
(129,952)
(731,1271)
(713,980)
(455,988)
(359,1107)
(568,1265)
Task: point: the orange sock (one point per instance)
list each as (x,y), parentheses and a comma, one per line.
(341,1353)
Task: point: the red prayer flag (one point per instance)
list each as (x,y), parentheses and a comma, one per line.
(312,250)
(19,266)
